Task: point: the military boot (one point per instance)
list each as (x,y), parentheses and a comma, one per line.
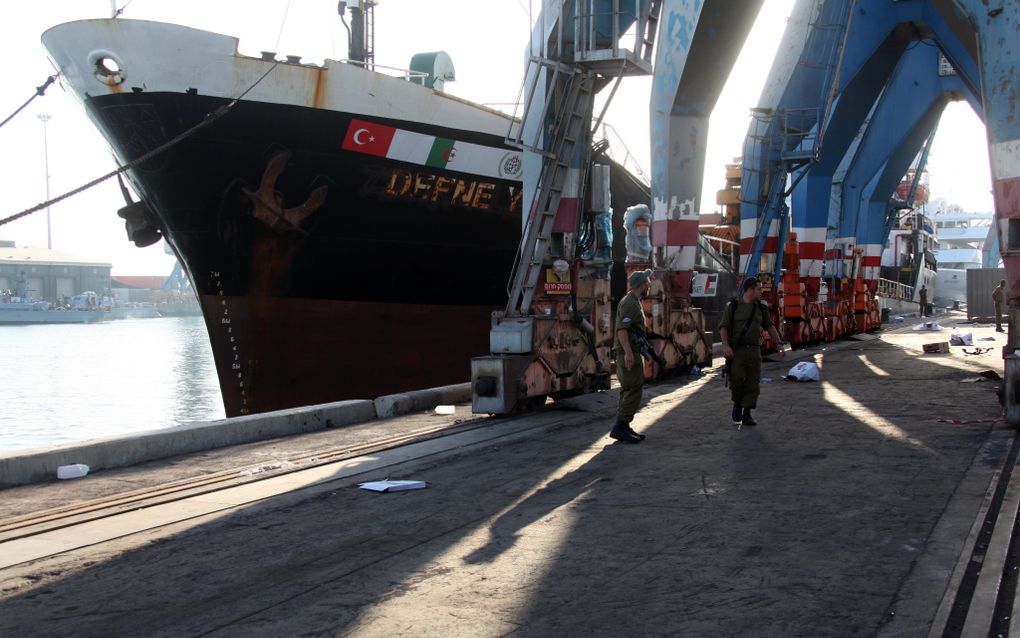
(622,433)
(737,413)
(637,434)
(747,419)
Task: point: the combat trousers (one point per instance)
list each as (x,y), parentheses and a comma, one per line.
(631,383)
(998,316)
(745,376)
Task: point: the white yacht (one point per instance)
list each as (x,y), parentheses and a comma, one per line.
(966,240)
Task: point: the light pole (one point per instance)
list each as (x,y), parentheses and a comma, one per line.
(44,118)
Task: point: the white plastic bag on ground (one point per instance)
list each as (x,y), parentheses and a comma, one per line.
(962,339)
(804,371)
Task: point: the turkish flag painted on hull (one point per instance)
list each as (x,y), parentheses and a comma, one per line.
(368,137)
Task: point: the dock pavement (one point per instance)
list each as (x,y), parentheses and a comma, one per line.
(878,501)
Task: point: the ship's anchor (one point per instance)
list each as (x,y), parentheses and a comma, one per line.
(267,204)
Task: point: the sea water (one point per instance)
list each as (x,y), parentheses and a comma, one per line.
(68,382)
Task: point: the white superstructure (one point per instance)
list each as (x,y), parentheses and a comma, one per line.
(962,245)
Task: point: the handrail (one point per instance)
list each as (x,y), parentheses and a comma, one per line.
(586,27)
(721,240)
(895,290)
(611,135)
(705,243)
(409,74)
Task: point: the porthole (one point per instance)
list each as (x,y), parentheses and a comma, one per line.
(107,68)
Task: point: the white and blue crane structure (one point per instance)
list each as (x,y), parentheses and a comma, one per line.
(854,96)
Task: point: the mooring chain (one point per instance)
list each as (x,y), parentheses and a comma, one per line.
(206,121)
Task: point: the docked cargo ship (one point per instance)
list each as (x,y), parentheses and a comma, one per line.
(348,233)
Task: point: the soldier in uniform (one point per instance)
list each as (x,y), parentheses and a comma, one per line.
(999,297)
(630,365)
(740,332)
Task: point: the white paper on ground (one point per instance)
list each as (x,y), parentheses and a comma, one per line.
(392,486)
(445,409)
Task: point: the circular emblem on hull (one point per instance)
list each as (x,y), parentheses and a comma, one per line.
(510,165)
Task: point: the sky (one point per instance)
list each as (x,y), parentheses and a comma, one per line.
(485,38)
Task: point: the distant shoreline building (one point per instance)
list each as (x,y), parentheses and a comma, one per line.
(51,275)
(139,288)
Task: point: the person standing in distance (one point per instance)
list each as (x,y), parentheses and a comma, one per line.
(923,300)
(630,365)
(999,297)
(740,331)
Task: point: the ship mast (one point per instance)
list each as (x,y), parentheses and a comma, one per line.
(361,32)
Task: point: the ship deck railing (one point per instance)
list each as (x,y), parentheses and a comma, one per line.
(418,77)
(895,290)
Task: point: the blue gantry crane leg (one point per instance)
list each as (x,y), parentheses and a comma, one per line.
(904,116)
(975,38)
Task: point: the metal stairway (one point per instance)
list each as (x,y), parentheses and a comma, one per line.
(570,129)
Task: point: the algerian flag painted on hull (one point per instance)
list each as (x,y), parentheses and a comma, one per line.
(428,150)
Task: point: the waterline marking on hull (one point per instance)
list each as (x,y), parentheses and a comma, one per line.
(235,364)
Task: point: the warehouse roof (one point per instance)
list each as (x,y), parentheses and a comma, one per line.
(143,282)
(44,257)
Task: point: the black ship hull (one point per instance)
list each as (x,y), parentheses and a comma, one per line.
(324,273)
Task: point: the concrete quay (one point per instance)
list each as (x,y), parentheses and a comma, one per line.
(34,465)
(877,502)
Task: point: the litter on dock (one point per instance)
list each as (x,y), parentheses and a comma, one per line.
(962,339)
(804,371)
(77,470)
(392,486)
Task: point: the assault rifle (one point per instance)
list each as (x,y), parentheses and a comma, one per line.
(640,337)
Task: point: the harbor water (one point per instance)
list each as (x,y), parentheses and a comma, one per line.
(71,382)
